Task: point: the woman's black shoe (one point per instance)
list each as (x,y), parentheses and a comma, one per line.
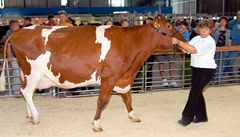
(183,123)
(198,120)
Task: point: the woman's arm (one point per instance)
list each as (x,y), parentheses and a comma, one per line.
(187,48)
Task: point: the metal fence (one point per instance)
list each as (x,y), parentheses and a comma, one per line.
(148,78)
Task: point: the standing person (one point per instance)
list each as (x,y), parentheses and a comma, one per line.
(15,80)
(125,23)
(51,21)
(221,35)
(109,22)
(235,41)
(27,21)
(203,69)
(167,59)
(183,29)
(63,19)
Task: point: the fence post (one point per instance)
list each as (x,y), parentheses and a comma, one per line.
(183,71)
(8,78)
(144,77)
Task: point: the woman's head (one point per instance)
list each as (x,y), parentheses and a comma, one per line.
(14,25)
(182,26)
(63,16)
(109,22)
(223,21)
(125,23)
(205,27)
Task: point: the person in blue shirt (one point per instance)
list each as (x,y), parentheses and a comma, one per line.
(235,41)
(221,35)
(15,81)
(168,59)
(183,29)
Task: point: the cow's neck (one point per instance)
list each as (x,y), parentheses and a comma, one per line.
(146,44)
(143,46)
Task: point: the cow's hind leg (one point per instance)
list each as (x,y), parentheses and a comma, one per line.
(127,99)
(29,114)
(103,99)
(28,92)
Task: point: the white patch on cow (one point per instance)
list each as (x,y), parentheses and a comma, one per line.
(100,38)
(30,27)
(122,90)
(131,114)
(91,81)
(38,68)
(47,32)
(45,77)
(96,124)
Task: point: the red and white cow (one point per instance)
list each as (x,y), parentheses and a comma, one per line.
(69,57)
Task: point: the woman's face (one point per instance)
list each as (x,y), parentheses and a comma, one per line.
(63,18)
(223,22)
(125,24)
(15,27)
(204,32)
(182,28)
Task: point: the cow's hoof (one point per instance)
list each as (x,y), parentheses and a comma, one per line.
(35,121)
(97,129)
(133,117)
(96,126)
(29,117)
(136,119)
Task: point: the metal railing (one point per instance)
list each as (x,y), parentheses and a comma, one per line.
(148,78)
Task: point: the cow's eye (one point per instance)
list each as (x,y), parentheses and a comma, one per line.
(169,26)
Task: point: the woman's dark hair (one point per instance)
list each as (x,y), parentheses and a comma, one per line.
(183,22)
(223,18)
(50,16)
(11,22)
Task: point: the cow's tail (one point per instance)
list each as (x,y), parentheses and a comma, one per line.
(2,76)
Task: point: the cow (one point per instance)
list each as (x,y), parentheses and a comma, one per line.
(70,57)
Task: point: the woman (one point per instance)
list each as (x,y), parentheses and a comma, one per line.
(203,69)
(221,36)
(63,19)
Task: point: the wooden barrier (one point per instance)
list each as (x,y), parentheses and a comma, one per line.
(219,49)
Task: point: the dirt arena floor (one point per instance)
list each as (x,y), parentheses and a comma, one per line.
(159,112)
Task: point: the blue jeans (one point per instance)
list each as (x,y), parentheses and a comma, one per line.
(229,61)
(219,70)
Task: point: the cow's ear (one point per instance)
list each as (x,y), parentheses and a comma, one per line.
(156,24)
(157,21)
(159,17)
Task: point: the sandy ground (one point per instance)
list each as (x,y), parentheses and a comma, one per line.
(159,112)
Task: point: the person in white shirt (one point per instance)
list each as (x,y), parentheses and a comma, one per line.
(203,69)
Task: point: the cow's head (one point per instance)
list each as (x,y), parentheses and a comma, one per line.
(164,32)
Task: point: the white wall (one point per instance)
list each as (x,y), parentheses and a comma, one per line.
(184,6)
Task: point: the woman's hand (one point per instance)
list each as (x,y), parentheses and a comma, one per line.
(175,41)
(187,48)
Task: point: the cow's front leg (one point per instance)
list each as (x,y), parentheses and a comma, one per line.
(103,99)
(127,99)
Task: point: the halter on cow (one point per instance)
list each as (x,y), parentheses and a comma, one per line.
(78,56)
